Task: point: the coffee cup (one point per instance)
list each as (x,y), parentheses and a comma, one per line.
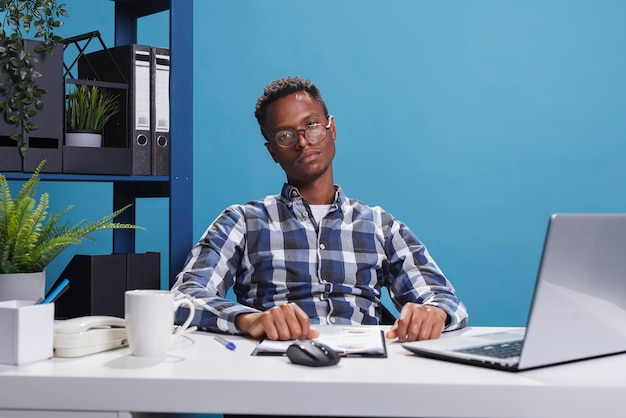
(149,318)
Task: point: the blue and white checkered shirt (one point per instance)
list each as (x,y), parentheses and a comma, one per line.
(273,252)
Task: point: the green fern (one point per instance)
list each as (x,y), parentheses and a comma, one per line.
(30,238)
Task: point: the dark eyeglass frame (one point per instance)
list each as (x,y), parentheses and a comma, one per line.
(297,134)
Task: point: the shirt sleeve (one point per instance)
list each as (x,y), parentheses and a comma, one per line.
(413,275)
(210,270)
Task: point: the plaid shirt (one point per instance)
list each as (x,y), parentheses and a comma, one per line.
(273,251)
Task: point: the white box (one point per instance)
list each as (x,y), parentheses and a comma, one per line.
(26,331)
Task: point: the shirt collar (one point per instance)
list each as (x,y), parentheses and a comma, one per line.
(291,194)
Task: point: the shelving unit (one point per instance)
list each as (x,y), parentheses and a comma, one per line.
(180,181)
(179,185)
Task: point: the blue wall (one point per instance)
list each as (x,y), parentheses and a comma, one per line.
(470,121)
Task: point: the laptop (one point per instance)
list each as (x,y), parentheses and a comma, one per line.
(578,308)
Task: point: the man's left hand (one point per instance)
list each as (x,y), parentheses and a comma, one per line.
(418,322)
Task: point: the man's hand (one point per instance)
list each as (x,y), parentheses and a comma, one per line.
(282,322)
(418,322)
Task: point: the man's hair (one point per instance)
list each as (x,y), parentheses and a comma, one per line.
(283,87)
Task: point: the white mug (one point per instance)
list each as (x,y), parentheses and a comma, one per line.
(149,318)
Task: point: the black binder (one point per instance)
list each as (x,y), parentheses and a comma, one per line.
(160,124)
(130,128)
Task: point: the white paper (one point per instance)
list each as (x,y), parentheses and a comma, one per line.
(347,340)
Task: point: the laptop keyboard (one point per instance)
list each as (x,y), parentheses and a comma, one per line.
(500,350)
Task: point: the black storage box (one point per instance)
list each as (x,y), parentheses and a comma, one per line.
(98,282)
(45,142)
(105,160)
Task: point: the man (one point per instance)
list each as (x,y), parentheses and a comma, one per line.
(311,255)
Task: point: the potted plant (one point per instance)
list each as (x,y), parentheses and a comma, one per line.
(20,94)
(88,109)
(30,238)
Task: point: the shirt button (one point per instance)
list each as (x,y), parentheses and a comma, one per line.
(322,246)
(305,214)
(294,193)
(332,320)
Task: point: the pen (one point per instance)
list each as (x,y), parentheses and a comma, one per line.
(228,344)
(56,292)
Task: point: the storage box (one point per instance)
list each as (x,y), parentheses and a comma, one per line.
(98,282)
(26,330)
(10,157)
(105,160)
(46,141)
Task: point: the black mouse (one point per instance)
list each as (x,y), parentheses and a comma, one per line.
(312,353)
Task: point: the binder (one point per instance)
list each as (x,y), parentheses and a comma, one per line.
(160,111)
(129,128)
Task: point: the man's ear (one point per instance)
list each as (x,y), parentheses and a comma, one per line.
(333,129)
(269,149)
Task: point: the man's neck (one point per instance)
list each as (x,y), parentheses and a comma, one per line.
(318,192)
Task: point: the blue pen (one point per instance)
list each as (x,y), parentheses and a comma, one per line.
(228,344)
(56,292)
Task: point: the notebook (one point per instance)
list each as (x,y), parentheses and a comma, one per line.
(578,308)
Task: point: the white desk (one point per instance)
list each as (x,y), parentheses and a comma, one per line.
(204,377)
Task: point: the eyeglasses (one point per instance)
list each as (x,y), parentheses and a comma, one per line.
(314,133)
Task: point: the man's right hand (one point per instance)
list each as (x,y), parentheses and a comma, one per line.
(282,322)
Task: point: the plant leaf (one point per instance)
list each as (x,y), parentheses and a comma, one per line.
(30,237)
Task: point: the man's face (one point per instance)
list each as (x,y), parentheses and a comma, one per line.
(303,162)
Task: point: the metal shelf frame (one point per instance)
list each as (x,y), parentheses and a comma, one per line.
(181,130)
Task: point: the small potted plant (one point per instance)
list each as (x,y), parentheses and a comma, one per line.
(30,238)
(88,109)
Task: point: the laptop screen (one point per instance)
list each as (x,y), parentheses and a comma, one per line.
(579,305)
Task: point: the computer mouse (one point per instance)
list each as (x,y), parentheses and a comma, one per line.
(312,353)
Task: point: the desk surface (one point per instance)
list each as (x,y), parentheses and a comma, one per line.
(202,376)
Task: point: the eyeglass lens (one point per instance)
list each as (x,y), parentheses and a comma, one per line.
(314,134)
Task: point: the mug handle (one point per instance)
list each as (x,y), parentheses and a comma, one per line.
(192,310)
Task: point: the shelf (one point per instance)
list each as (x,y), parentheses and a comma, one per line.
(88,177)
(178,186)
(128,11)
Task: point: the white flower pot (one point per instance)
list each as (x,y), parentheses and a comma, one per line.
(83,139)
(22,286)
